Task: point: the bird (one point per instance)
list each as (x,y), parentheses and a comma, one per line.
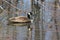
(30,16)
